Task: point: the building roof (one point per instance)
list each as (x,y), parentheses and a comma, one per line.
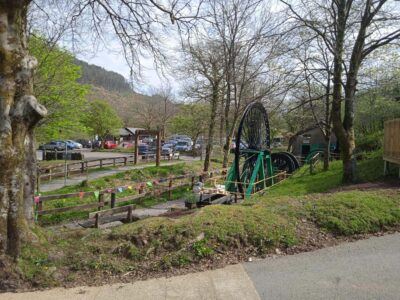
(133,130)
(124,132)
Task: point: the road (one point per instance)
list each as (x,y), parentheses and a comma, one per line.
(72,180)
(366,269)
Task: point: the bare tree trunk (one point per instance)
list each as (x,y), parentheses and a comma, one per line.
(222,123)
(211,129)
(19,113)
(327,149)
(346,146)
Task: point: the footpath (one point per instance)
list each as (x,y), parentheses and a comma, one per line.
(366,269)
(56,184)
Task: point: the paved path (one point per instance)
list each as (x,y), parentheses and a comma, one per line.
(367,269)
(73,180)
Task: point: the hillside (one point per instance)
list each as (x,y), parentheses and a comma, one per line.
(115,89)
(98,76)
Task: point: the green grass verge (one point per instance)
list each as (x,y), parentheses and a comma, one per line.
(302,183)
(260,225)
(356,212)
(131,177)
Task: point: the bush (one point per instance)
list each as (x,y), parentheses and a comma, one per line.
(370,142)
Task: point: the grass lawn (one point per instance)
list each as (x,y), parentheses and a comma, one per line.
(127,178)
(215,234)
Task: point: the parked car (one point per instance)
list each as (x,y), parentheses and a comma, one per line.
(76,145)
(125,145)
(110,145)
(70,145)
(143,148)
(173,142)
(85,143)
(54,145)
(96,144)
(183,146)
(167,149)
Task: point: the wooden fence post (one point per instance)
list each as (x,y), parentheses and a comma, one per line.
(82,166)
(38,180)
(101,201)
(125,161)
(114,161)
(96,221)
(101,163)
(113,196)
(192,184)
(170,189)
(129,218)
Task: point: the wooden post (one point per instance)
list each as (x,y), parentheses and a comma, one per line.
(96,221)
(101,163)
(114,161)
(38,180)
(113,196)
(82,167)
(170,189)
(136,148)
(125,161)
(158,149)
(50,174)
(40,205)
(129,217)
(192,184)
(101,201)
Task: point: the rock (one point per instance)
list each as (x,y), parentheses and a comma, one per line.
(278,252)
(50,271)
(250,259)
(200,237)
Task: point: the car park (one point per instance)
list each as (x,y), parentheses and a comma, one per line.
(143,149)
(183,146)
(125,145)
(85,143)
(167,149)
(54,145)
(76,145)
(110,145)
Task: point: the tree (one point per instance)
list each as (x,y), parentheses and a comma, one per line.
(55,85)
(351,30)
(204,67)
(134,24)
(193,120)
(102,119)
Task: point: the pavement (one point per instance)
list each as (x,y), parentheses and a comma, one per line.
(58,183)
(366,269)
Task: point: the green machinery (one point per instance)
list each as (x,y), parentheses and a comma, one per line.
(254,164)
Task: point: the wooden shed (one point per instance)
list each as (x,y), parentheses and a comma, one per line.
(391,143)
(310,140)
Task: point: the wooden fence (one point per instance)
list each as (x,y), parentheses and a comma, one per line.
(391,142)
(81,167)
(163,185)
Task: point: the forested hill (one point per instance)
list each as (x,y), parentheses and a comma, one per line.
(100,77)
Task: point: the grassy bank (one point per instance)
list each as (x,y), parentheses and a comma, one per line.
(277,221)
(127,178)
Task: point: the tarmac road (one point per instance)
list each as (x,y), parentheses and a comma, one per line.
(366,269)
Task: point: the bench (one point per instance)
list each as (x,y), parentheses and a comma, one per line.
(113,211)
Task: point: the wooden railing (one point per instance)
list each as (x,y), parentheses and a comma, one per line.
(313,162)
(163,185)
(81,167)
